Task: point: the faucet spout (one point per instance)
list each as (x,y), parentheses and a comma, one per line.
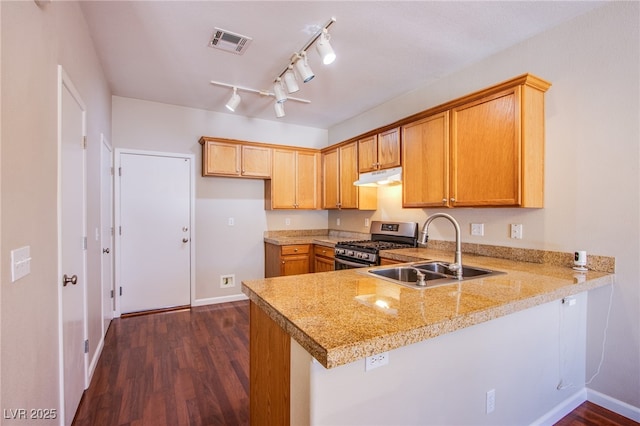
(456,266)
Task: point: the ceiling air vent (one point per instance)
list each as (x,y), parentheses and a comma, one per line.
(230,42)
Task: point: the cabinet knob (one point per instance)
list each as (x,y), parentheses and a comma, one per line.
(453,200)
(296,250)
(444,201)
(283,262)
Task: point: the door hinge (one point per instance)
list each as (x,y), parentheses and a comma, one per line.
(84,243)
(119,230)
(121,291)
(84,142)
(112,231)
(112,294)
(111,168)
(86,346)
(119,171)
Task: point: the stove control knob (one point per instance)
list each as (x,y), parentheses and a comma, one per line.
(365,256)
(350,253)
(359,255)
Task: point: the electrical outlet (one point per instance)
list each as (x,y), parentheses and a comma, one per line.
(375,361)
(231,221)
(516,231)
(477,229)
(366,222)
(287,221)
(227,281)
(338,222)
(491,401)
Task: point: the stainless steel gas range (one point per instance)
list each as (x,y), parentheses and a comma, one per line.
(384,236)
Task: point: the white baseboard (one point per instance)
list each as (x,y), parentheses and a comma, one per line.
(94,361)
(614,405)
(220,299)
(562,409)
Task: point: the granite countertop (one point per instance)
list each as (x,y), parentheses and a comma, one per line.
(343,316)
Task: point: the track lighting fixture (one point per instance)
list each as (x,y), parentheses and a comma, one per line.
(324,48)
(279,108)
(234,101)
(290,81)
(287,78)
(278,90)
(303,68)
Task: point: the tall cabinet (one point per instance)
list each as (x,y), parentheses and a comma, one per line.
(339,171)
(295,180)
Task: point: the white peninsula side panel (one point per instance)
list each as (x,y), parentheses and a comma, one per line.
(525,357)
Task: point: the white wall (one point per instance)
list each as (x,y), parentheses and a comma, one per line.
(220,249)
(592,168)
(34,41)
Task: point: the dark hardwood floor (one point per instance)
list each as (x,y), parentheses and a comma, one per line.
(191,367)
(186,367)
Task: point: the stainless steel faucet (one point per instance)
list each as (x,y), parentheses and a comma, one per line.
(456,266)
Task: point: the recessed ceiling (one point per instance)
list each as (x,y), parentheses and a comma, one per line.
(159,50)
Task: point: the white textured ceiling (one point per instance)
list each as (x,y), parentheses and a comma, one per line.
(158,50)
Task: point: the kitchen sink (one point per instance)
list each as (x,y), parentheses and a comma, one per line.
(435,274)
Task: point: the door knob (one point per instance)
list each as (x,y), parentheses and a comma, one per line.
(66,280)
(105,251)
(185,240)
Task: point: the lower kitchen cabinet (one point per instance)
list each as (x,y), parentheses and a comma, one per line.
(323,259)
(291,259)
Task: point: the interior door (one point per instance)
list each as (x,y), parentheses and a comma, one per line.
(106,232)
(72,247)
(155,231)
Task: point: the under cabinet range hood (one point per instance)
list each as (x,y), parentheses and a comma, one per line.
(380,177)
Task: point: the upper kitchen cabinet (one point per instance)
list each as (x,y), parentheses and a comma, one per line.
(489,154)
(295,180)
(380,151)
(339,171)
(224,157)
(425,162)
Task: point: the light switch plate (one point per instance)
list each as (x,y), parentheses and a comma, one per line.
(20,263)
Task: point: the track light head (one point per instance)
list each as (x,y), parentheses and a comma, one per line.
(290,81)
(234,101)
(278,91)
(324,48)
(279,108)
(303,68)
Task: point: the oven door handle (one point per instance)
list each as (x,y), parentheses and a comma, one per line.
(353,264)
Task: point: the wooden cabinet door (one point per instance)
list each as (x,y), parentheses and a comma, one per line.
(389,149)
(307,178)
(283,179)
(221,159)
(485,151)
(348,166)
(368,154)
(330,181)
(295,265)
(323,259)
(256,161)
(425,162)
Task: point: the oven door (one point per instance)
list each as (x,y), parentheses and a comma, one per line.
(340,264)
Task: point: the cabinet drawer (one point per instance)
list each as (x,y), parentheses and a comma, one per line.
(295,249)
(323,251)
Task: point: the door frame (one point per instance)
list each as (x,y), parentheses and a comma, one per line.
(65,81)
(118,219)
(105,144)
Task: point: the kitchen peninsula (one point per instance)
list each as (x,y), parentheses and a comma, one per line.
(447,346)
